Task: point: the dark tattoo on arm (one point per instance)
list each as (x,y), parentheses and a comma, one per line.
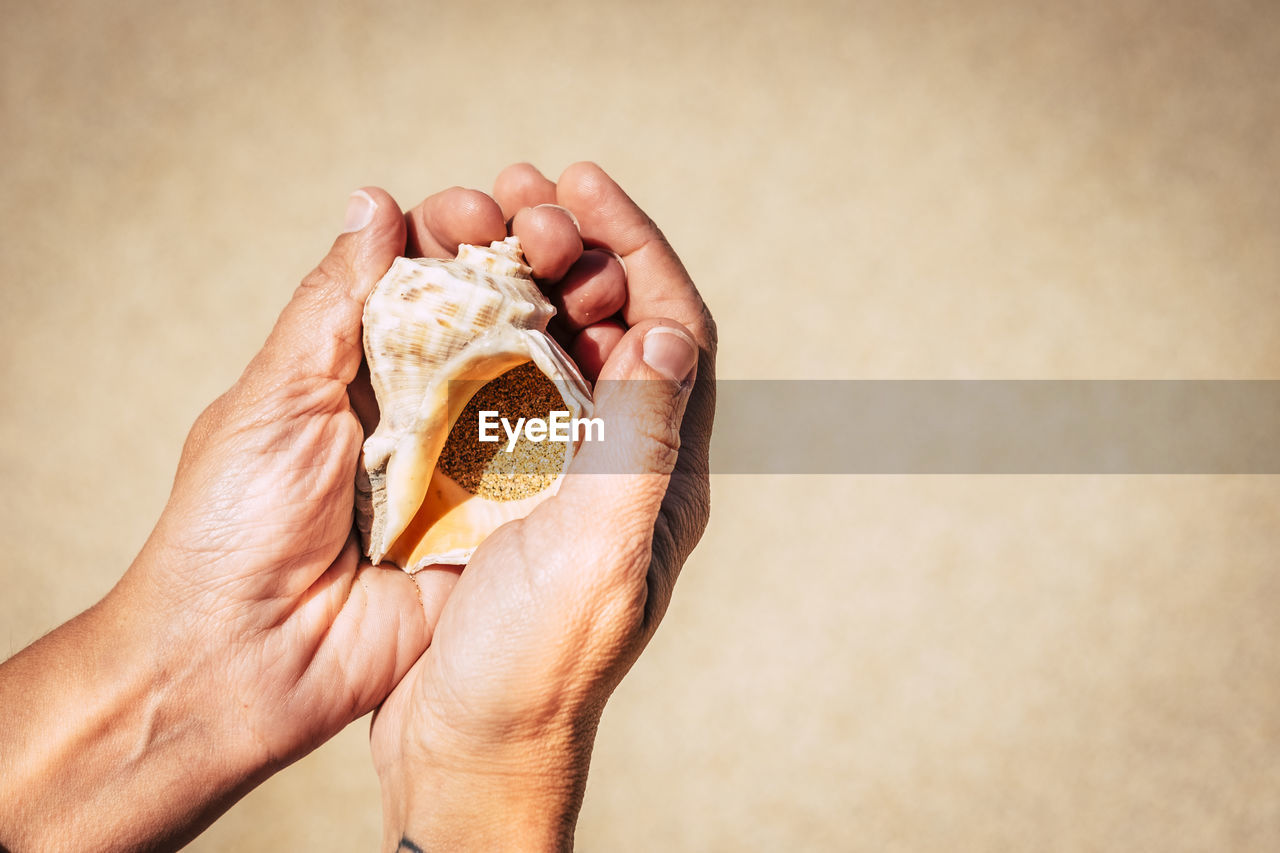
(407,846)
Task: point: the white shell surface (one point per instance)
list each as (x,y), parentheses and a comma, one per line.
(429,323)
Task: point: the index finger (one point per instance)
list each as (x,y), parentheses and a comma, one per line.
(657,284)
(450,217)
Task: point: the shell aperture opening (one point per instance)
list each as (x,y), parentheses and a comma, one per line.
(440,336)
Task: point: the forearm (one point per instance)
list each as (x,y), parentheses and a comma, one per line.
(104,742)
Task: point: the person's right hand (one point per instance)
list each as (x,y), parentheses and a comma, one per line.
(486,741)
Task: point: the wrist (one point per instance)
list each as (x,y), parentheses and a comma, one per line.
(108,743)
(506,798)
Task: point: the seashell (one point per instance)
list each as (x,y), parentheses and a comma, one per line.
(436,334)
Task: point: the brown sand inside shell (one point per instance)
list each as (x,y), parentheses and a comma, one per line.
(486,469)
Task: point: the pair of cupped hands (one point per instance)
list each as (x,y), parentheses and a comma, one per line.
(250,628)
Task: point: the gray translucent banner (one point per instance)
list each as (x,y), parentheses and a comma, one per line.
(997,427)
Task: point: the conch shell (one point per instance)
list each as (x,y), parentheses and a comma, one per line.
(435,332)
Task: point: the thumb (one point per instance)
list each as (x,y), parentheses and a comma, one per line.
(616,486)
(319,332)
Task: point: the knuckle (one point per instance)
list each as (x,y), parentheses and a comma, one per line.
(660,446)
(201,432)
(328,275)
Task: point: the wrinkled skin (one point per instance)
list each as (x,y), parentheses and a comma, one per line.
(552,610)
(250,629)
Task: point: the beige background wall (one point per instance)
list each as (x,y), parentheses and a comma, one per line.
(863,190)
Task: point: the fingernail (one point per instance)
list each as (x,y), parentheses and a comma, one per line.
(670,352)
(567,212)
(360,208)
(618,258)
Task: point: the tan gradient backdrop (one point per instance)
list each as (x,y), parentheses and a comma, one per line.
(862,190)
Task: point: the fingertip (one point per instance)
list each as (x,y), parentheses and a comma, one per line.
(655,349)
(566,211)
(318,332)
(586,188)
(469,216)
(360,210)
(549,236)
(669,350)
(593,289)
(372,209)
(584,175)
(642,409)
(591,347)
(522,185)
(375,218)
(454,216)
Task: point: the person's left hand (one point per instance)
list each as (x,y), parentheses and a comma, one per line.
(250,628)
(254,556)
